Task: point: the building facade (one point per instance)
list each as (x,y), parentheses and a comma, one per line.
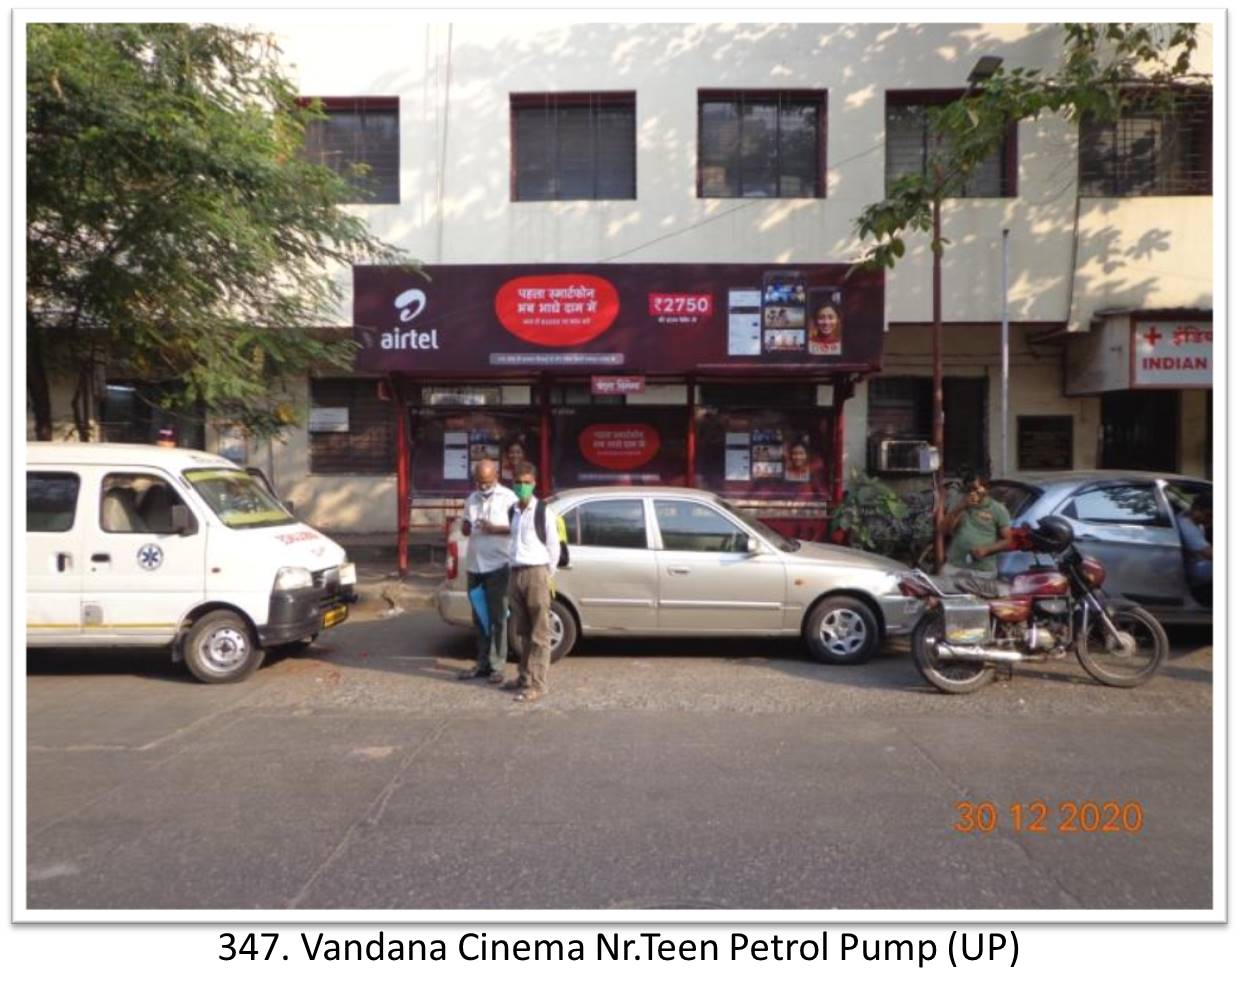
(745,152)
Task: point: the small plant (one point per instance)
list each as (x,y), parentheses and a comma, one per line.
(871,515)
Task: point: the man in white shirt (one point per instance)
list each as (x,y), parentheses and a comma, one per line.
(487,514)
(534,555)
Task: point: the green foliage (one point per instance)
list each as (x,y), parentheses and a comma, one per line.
(1104,65)
(173,231)
(868,512)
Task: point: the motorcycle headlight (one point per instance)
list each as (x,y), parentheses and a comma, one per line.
(292,578)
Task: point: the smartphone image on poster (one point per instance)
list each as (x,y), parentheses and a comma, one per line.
(783,299)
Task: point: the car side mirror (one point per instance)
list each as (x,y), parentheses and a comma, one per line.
(182,521)
(751,545)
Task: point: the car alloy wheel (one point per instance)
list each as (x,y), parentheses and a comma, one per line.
(843,631)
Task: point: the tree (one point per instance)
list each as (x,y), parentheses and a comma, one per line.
(1103,67)
(173,230)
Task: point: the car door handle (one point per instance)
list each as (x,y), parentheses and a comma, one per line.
(100,558)
(679,570)
(63,560)
(1086,537)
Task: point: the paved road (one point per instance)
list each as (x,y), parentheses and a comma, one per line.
(657,774)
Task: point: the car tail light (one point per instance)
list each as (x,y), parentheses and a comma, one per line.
(1093,572)
(453,560)
(912,588)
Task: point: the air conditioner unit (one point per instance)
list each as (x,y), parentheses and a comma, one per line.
(908,456)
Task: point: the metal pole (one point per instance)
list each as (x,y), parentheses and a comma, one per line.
(939,417)
(1005,351)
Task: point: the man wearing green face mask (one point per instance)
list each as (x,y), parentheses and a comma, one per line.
(534,556)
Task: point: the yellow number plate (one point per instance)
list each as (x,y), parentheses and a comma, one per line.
(333,617)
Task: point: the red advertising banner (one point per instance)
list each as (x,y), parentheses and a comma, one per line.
(661,318)
(631,445)
(763,454)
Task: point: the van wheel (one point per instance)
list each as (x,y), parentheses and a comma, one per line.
(221,647)
(841,630)
(563,633)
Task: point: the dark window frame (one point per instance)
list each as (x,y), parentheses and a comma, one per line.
(593,99)
(365,456)
(576,536)
(363,106)
(1009,156)
(158,478)
(734,528)
(1190,110)
(77,497)
(820,187)
(1031,423)
(917,399)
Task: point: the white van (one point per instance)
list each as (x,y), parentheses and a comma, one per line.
(145,546)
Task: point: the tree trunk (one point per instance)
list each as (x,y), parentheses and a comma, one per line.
(36,382)
(82,401)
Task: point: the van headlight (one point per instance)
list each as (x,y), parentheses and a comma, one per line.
(348,573)
(292,578)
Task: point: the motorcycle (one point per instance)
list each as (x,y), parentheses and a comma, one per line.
(1039,614)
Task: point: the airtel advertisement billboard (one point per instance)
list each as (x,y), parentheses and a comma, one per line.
(656,318)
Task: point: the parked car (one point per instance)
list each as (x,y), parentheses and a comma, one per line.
(681,562)
(142,546)
(1126,520)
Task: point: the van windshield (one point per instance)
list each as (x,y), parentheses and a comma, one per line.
(237,499)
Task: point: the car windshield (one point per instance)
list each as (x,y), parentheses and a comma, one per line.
(765,532)
(238,500)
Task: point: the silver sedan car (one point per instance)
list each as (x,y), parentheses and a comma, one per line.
(680,562)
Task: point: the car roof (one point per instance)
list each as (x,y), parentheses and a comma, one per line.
(631,491)
(1044,479)
(165,457)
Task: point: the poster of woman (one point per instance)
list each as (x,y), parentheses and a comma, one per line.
(825,322)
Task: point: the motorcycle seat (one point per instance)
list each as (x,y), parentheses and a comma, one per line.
(982,586)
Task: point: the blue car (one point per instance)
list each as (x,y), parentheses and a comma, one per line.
(1125,519)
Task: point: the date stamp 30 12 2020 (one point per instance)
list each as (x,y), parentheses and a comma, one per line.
(1071,816)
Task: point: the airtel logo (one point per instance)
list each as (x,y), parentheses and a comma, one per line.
(410,304)
(404,302)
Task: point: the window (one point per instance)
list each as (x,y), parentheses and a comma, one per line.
(238,499)
(51,502)
(1161,145)
(1046,442)
(761,143)
(573,147)
(910,143)
(358,437)
(691,527)
(137,503)
(1118,505)
(129,412)
(618,522)
(360,140)
(902,408)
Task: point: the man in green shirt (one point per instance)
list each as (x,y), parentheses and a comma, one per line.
(979,528)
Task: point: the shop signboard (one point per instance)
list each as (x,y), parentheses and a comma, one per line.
(767,454)
(631,445)
(657,318)
(1171,353)
(606,384)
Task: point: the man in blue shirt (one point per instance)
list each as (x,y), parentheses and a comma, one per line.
(1193,527)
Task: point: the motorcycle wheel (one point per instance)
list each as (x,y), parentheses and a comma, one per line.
(1129,665)
(955,677)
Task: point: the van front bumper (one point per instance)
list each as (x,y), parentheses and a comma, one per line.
(296,615)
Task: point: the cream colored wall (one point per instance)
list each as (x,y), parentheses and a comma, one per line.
(454,84)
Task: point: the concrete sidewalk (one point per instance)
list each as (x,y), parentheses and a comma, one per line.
(381,590)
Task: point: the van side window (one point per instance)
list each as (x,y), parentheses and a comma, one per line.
(51,501)
(137,503)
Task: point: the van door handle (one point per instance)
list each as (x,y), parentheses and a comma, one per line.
(678,570)
(63,560)
(100,558)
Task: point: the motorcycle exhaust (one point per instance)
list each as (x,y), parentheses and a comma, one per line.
(952,651)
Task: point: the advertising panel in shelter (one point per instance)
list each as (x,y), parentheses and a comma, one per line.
(767,454)
(446,447)
(635,444)
(651,318)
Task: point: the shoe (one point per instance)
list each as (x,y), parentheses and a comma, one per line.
(515,685)
(472,673)
(494,677)
(529,695)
